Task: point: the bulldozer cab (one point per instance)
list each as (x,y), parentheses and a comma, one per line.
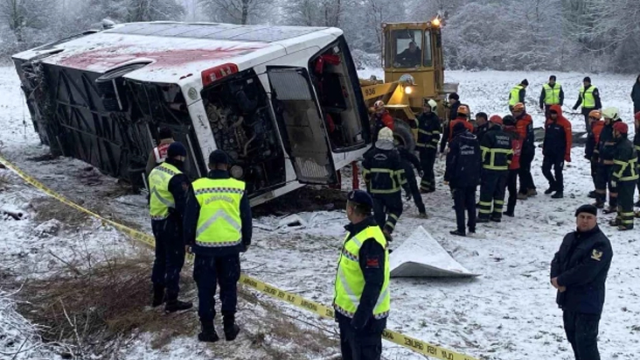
(415,49)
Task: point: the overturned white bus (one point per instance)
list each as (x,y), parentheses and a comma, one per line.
(284,102)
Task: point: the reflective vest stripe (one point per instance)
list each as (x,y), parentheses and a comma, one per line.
(491,165)
(220,214)
(552,94)
(166,202)
(394,175)
(588,100)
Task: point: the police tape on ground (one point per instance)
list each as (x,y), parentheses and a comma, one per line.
(416,345)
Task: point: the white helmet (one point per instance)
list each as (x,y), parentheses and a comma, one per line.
(378,105)
(610,113)
(431,103)
(385,134)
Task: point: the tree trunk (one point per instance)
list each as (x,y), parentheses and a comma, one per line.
(245,12)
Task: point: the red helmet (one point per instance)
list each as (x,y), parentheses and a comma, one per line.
(495,119)
(621,127)
(637,116)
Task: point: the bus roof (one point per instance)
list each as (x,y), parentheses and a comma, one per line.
(173,49)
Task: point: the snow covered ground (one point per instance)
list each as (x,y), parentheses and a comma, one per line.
(507,313)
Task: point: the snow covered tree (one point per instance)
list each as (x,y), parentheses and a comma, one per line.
(237,11)
(152,10)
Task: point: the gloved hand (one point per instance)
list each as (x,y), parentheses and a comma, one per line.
(244,248)
(446,183)
(407,196)
(421,173)
(567,158)
(359,320)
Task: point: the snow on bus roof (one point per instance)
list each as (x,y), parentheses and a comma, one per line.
(172,49)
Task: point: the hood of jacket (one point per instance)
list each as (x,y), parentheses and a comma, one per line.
(385,145)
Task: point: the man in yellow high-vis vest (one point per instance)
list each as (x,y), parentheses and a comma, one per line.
(518,94)
(362,300)
(552,94)
(168,187)
(589,99)
(218,227)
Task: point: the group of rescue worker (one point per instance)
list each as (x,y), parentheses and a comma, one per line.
(493,152)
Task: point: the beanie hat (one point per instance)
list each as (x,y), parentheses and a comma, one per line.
(525,82)
(360,197)
(176,149)
(454,96)
(458,128)
(218,157)
(587,79)
(587,209)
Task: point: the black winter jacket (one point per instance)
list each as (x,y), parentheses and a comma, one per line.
(581,265)
(606,145)
(496,149)
(464,162)
(622,155)
(429,130)
(383,171)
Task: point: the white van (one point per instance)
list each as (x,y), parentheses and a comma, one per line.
(284,102)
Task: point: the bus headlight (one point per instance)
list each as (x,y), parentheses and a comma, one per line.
(408,90)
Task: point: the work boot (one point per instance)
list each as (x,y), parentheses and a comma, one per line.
(637,214)
(509,214)
(231,330)
(615,222)
(158,296)
(482,220)
(457,233)
(208,333)
(610,210)
(177,305)
(625,227)
(423,215)
(557,195)
(496,219)
(532,192)
(522,196)
(593,194)
(599,204)
(549,190)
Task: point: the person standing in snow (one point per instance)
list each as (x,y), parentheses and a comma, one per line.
(552,94)
(518,94)
(159,153)
(362,299)
(218,227)
(589,99)
(606,150)
(168,187)
(636,145)
(482,125)
(512,179)
(635,95)
(463,175)
(579,273)
(625,174)
(429,130)
(496,158)
(556,149)
(524,127)
(384,176)
(591,149)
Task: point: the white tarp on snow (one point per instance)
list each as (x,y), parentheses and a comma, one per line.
(422,256)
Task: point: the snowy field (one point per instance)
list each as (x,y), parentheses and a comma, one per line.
(508,313)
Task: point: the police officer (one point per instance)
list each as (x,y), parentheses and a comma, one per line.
(579,271)
(496,157)
(625,175)
(589,99)
(556,149)
(552,94)
(384,176)
(167,195)
(218,226)
(463,175)
(409,161)
(429,130)
(518,94)
(159,153)
(362,300)
(606,148)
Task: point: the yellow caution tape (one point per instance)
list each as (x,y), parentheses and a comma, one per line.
(408,342)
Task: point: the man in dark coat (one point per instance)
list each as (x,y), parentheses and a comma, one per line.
(579,271)
(625,174)
(496,158)
(556,149)
(463,175)
(429,130)
(409,161)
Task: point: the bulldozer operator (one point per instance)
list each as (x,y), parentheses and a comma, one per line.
(410,57)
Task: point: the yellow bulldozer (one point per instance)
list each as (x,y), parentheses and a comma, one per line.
(413,70)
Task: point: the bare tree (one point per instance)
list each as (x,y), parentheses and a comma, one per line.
(150,10)
(235,11)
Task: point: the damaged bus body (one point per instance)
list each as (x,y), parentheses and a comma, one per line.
(284,102)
